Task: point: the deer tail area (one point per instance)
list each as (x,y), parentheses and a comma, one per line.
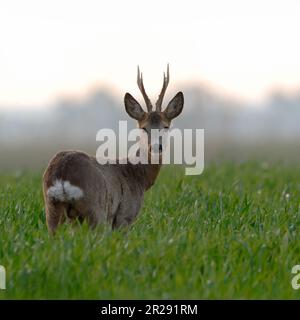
(64,191)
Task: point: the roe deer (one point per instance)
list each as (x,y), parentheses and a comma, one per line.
(76,186)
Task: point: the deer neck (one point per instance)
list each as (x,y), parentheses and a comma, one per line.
(143,174)
(150,173)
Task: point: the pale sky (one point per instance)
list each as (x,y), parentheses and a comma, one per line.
(53,48)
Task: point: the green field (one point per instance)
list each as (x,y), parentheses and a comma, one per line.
(232,232)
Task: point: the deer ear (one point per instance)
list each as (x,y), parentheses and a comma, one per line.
(175,106)
(133,108)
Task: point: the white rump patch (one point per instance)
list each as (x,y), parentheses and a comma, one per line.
(64,191)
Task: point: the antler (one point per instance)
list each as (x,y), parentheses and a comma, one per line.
(142,89)
(163,90)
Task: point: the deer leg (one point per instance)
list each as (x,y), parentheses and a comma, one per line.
(55,215)
(94,216)
(125,215)
(122,220)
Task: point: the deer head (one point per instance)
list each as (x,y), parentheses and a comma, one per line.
(153,119)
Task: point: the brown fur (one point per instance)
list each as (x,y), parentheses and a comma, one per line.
(112,193)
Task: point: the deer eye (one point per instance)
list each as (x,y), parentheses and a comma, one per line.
(166,128)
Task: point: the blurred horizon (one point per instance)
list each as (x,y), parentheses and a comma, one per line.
(233,131)
(118,94)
